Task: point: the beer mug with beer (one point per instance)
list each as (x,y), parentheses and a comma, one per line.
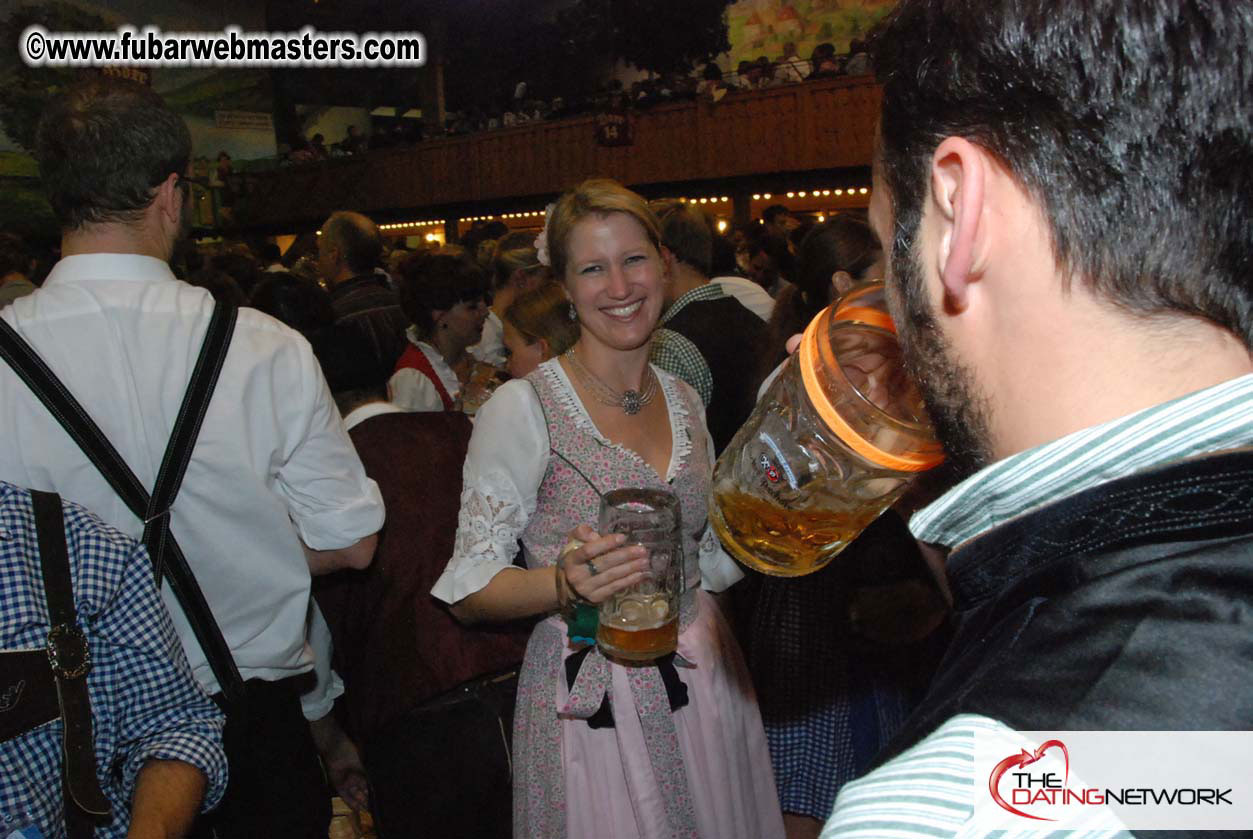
(641,623)
(834,441)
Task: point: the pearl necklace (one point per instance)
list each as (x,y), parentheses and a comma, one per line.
(630,401)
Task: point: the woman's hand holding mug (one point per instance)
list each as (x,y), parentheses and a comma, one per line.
(592,567)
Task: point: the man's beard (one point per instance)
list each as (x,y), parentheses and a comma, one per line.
(958,413)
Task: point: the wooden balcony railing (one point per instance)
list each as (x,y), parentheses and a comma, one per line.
(818,125)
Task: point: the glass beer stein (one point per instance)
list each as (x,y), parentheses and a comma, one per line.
(641,623)
(833,442)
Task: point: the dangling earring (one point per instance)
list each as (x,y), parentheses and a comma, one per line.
(574,315)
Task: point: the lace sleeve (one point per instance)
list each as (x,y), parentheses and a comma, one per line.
(503,470)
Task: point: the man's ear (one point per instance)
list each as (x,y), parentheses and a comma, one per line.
(841,282)
(667,262)
(169,200)
(958,179)
(333,256)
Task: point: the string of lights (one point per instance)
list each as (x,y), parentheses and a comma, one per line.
(837,192)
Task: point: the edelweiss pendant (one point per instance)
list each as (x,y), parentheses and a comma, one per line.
(631,402)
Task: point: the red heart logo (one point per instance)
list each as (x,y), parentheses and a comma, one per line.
(1024,758)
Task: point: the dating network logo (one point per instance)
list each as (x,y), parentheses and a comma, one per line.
(1045,789)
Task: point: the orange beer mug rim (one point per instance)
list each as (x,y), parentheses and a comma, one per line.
(904,462)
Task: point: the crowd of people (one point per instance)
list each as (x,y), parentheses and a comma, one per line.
(328,523)
(707,83)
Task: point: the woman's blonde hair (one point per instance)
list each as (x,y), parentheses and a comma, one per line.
(598,196)
(514,252)
(544,312)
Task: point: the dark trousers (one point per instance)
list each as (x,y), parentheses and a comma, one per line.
(443,770)
(276,788)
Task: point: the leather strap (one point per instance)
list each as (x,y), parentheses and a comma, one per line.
(71,415)
(204,379)
(70,660)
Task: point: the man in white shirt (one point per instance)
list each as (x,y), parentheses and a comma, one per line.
(1064,189)
(792,68)
(752,296)
(273,491)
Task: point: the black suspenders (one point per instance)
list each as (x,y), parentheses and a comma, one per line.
(168,560)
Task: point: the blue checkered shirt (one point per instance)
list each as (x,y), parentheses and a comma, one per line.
(145,704)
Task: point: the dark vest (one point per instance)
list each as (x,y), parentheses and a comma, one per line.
(395,644)
(1127,607)
(731,338)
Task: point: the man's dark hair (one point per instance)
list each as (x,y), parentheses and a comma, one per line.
(773,212)
(103,146)
(221,285)
(723,263)
(300,303)
(357,238)
(495,229)
(350,366)
(1129,121)
(842,243)
(15,257)
(776,248)
(242,269)
(686,232)
(437,281)
(270,253)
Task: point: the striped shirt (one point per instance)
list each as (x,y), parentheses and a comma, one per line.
(928,791)
(1219,417)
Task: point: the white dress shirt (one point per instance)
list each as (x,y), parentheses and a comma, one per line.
(753,296)
(273,465)
(319,700)
(361,413)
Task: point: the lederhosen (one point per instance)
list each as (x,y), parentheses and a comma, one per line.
(168,561)
(48,683)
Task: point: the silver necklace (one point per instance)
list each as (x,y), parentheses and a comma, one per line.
(630,401)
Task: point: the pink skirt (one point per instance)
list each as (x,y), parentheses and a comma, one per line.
(610,789)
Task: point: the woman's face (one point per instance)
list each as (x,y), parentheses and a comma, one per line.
(523,357)
(463,323)
(615,278)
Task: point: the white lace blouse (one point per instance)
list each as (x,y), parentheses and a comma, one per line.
(505,465)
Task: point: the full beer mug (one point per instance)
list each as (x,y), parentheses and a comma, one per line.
(641,623)
(833,442)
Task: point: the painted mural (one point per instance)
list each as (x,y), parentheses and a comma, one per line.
(198,94)
(763,27)
(227,111)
